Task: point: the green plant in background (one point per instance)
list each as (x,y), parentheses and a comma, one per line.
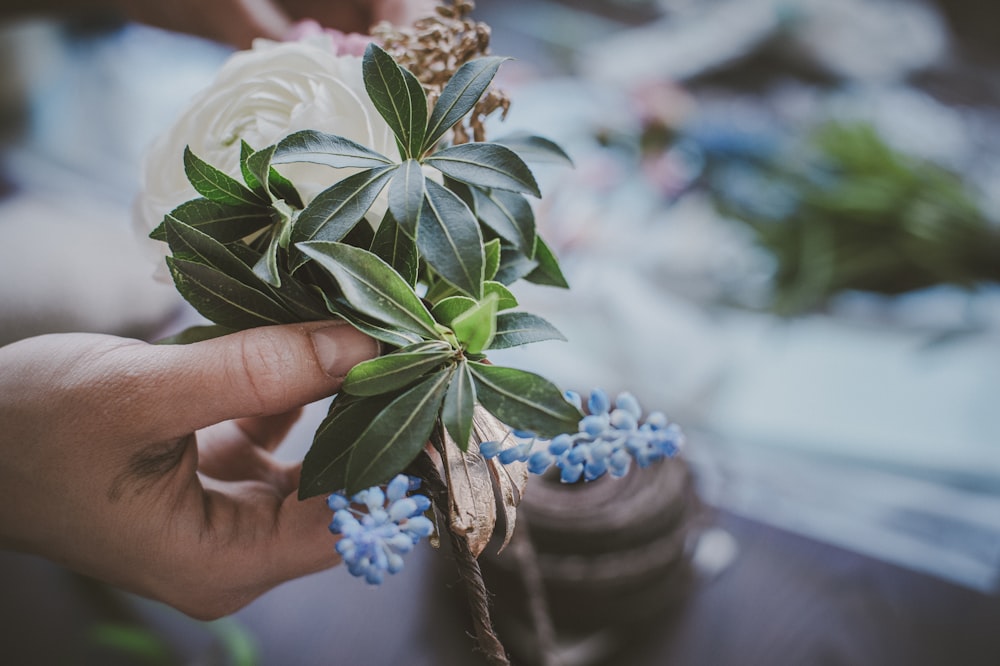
(845,211)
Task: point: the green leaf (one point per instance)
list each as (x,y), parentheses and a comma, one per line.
(547,272)
(459,95)
(335,210)
(492,251)
(397,434)
(397,370)
(514,265)
(450,241)
(475,327)
(505,299)
(398,97)
(193,334)
(521,328)
(324,469)
(266,267)
(447,309)
(330,149)
(253,163)
(524,400)
(406,196)
(190,244)
(508,214)
(396,248)
(216,185)
(224,300)
(372,287)
(459,406)
(223,222)
(535,149)
(377,330)
(487,165)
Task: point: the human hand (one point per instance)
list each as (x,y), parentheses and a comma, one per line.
(239,22)
(150,467)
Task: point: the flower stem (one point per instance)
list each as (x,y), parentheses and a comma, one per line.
(468,567)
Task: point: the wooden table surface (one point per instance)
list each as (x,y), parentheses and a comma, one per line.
(784,600)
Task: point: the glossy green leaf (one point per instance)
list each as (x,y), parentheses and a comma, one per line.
(514,265)
(223,222)
(406,196)
(398,97)
(278,186)
(397,434)
(505,299)
(329,149)
(475,327)
(547,272)
(459,406)
(385,333)
(193,334)
(459,95)
(535,149)
(492,252)
(258,165)
(215,185)
(521,328)
(487,165)
(508,214)
(190,244)
(448,308)
(324,469)
(372,287)
(524,400)
(337,209)
(305,301)
(266,267)
(450,241)
(224,300)
(397,370)
(396,248)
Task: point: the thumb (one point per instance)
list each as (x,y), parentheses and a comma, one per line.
(257,372)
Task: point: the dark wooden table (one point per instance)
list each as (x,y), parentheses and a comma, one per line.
(784,600)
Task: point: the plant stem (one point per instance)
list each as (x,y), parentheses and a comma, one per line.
(468,568)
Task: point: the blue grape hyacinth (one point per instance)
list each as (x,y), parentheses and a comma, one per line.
(375,537)
(610,437)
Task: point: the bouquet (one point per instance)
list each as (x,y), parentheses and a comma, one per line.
(328,185)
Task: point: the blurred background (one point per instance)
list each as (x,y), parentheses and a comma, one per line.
(782,228)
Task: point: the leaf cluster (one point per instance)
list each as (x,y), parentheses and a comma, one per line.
(431,281)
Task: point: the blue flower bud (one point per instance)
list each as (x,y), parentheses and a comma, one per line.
(560,444)
(398,487)
(395,563)
(489,449)
(420,525)
(598,402)
(623,420)
(517,453)
(594,424)
(539,461)
(402,508)
(578,454)
(422,501)
(657,420)
(571,473)
(595,469)
(573,398)
(336,502)
(375,499)
(522,434)
(627,402)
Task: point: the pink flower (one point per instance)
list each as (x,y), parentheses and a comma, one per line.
(351,43)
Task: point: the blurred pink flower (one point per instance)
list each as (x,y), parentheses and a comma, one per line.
(351,43)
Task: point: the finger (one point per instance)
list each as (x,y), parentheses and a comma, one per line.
(257,372)
(268,432)
(225,454)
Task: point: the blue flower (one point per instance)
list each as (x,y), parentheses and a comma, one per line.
(374,539)
(610,437)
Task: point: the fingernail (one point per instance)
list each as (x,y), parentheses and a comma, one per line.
(340,347)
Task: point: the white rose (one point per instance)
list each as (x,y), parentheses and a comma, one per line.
(260,96)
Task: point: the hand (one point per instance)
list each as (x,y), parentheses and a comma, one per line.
(239,22)
(119,459)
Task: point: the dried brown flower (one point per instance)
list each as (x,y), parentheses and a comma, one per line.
(435,47)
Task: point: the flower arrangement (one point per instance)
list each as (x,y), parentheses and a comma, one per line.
(327,186)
